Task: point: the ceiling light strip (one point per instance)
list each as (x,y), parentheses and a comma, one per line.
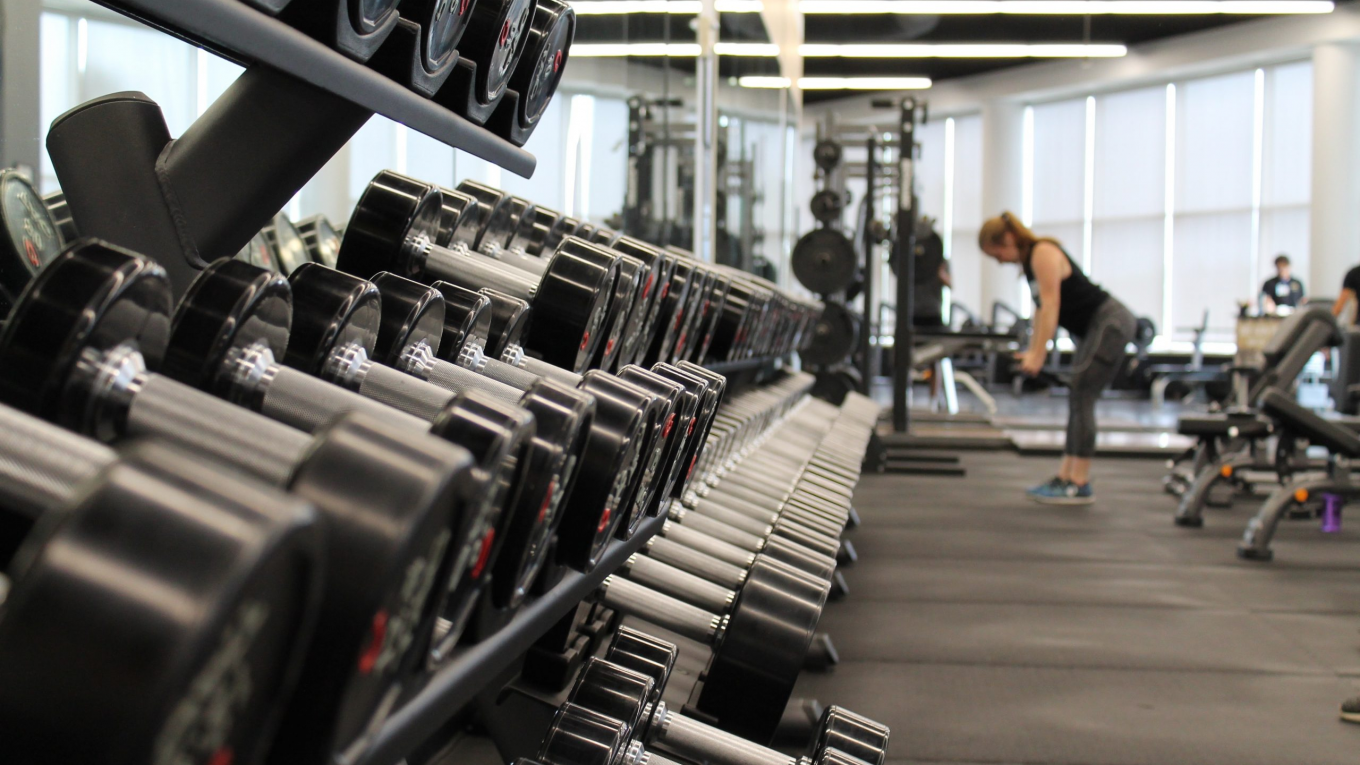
(674,7)
(838,83)
(671,50)
(963,50)
(1068,7)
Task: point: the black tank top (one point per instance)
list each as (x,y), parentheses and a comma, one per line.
(1079,295)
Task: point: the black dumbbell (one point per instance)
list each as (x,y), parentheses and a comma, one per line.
(73,352)
(393,229)
(540,69)
(259,253)
(422,50)
(356,28)
(630,696)
(235,321)
(466,323)
(759,644)
(153,605)
(489,217)
(34,236)
(290,251)
(321,239)
(628,684)
(492,45)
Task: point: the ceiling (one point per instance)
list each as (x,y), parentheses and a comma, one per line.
(888,28)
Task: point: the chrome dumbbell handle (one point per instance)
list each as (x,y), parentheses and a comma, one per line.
(697,742)
(683,585)
(660,609)
(42,465)
(688,559)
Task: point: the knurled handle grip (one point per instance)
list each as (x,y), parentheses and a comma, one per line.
(680,584)
(42,465)
(695,741)
(182,415)
(732,518)
(404,392)
(663,610)
(509,374)
(308,403)
(456,378)
(695,562)
(472,271)
(551,371)
(732,535)
(709,545)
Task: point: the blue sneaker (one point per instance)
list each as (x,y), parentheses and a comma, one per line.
(1060,492)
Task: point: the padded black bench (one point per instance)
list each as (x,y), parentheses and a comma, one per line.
(1338,437)
(1223,426)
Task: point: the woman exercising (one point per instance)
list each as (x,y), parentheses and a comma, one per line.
(1100,324)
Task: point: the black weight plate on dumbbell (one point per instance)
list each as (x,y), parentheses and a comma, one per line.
(467,317)
(644,654)
(91,298)
(841,730)
(259,253)
(834,337)
(529,234)
(331,310)
(94,670)
(399,510)
(510,319)
(32,238)
(458,220)
(614,691)
(561,228)
(731,321)
(321,238)
(824,261)
(574,292)
(827,206)
(751,676)
(393,213)
(495,43)
(674,299)
(60,210)
(442,23)
(834,385)
(579,736)
(544,60)
(564,417)
(696,431)
(712,309)
(661,265)
(231,306)
(290,251)
(827,153)
(607,466)
(683,406)
(500,437)
(412,316)
(499,216)
(717,385)
(633,505)
(622,302)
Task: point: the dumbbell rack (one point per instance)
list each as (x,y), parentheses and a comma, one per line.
(471,670)
(238,32)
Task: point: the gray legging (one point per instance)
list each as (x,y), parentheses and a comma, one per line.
(1098,358)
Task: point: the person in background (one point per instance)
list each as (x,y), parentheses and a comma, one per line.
(1350,710)
(1350,288)
(1281,289)
(1100,324)
(930,277)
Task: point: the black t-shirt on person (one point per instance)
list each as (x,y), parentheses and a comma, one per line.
(1283,292)
(1352,283)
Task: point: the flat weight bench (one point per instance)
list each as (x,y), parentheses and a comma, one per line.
(1338,438)
(1301,335)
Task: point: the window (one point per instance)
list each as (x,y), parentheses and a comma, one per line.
(1128,218)
(1059,175)
(965,214)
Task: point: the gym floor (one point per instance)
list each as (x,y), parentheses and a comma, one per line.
(984,628)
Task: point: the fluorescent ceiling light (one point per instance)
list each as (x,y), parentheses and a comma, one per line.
(766,50)
(671,50)
(1072,7)
(961,50)
(678,7)
(615,50)
(752,81)
(863,83)
(838,83)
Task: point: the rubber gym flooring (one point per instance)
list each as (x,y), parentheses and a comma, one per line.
(984,628)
